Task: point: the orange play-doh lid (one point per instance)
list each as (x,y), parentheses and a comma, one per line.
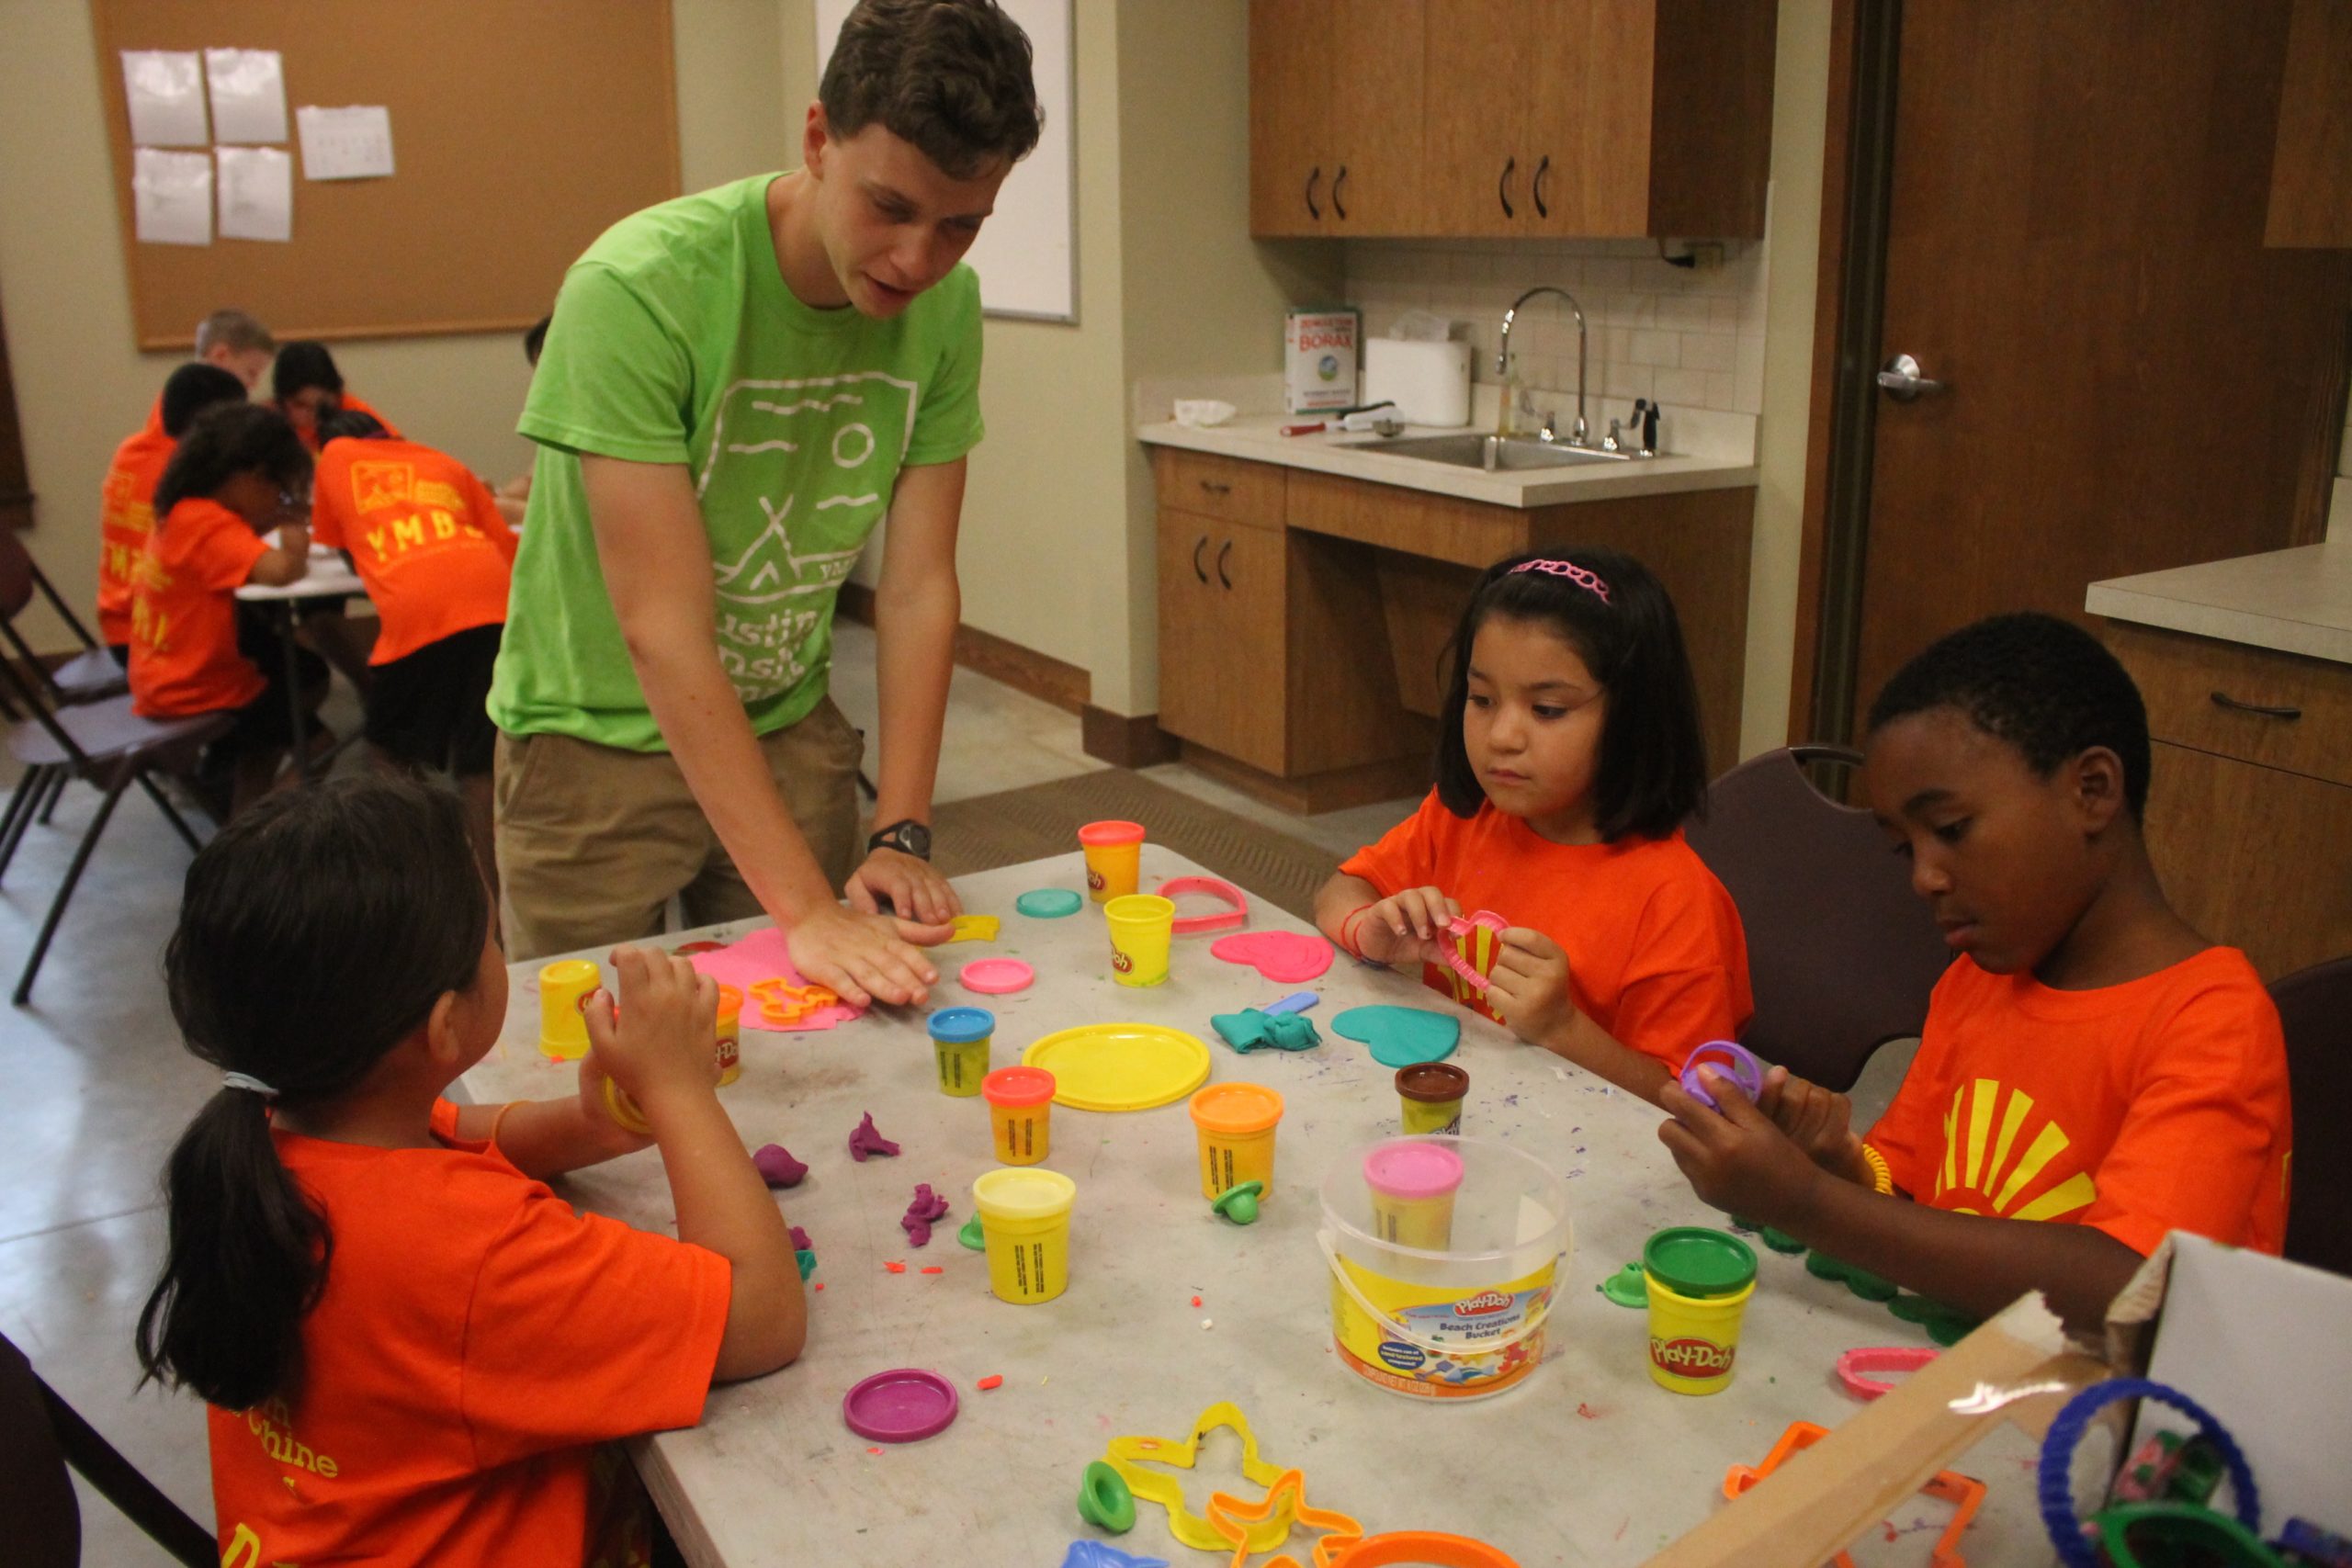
(1236,1109)
(731,1003)
(1018,1086)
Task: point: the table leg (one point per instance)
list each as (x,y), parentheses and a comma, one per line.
(300,746)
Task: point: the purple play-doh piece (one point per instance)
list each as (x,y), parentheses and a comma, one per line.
(867,1141)
(800,1242)
(927,1207)
(776,1166)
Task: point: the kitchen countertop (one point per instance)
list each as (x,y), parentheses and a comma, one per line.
(2296,600)
(1259,439)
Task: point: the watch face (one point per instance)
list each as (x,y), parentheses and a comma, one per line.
(916,839)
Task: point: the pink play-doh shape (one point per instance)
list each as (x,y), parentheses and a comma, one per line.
(776,1166)
(1215,888)
(865,1141)
(755,959)
(996,977)
(1287,957)
(917,1221)
(1463,925)
(1891,1358)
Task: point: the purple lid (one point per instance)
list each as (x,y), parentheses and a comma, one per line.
(1413,1170)
(903,1405)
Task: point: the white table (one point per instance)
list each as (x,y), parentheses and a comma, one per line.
(1586,1462)
(328,577)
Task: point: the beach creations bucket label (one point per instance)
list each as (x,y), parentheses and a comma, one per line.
(1475,1342)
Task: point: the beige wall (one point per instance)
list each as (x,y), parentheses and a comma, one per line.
(81,385)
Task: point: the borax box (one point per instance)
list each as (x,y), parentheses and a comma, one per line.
(1319,359)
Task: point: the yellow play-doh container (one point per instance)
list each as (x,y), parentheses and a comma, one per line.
(1114,858)
(1021,1111)
(1431,1094)
(1412,1187)
(1142,925)
(1699,1282)
(1025,1224)
(960,1037)
(563,986)
(731,1035)
(1235,1125)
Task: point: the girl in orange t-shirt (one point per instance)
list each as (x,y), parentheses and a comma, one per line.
(306,388)
(1569,754)
(411,1345)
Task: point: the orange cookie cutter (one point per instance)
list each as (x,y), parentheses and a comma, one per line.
(1965,1495)
(1393,1549)
(1233,1518)
(783,1002)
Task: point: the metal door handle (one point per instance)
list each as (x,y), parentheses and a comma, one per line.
(1198,545)
(1313,177)
(1502,186)
(2223,700)
(1221,554)
(1543,168)
(1903,381)
(1337,181)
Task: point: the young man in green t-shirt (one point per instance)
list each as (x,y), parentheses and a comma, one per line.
(736,388)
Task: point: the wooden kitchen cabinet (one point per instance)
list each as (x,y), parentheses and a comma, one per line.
(2249,817)
(1222,651)
(1335,117)
(2310,165)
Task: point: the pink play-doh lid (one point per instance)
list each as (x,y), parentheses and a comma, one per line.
(1408,1170)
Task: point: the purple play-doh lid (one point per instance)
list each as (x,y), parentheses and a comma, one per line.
(904,1405)
(1408,1170)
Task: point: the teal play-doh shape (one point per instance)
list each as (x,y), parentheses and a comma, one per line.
(1253,1029)
(1400,1036)
(1861,1281)
(1049,903)
(1629,1286)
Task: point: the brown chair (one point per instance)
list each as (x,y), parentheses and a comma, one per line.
(1841,952)
(40,1435)
(2315,1007)
(89,676)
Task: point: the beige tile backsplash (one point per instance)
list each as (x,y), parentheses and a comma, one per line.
(1686,338)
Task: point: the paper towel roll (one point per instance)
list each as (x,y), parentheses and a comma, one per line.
(1428,382)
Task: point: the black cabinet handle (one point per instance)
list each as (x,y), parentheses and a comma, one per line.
(1314,176)
(1198,545)
(2223,700)
(1337,181)
(1542,169)
(1502,186)
(1217,486)
(1221,554)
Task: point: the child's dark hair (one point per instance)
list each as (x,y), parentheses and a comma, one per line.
(536,339)
(317,932)
(1653,771)
(192,388)
(2045,685)
(951,76)
(229,439)
(301,365)
(351,424)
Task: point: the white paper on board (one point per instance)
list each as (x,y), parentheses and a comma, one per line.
(248,90)
(164,88)
(351,144)
(171,197)
(257,193)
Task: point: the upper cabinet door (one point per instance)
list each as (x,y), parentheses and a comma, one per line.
(1290,115)
(1376,108)
(1477,74)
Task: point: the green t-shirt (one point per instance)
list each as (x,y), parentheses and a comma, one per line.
(676,341)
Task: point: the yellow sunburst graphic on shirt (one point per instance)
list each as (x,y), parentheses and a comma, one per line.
(2004,1155)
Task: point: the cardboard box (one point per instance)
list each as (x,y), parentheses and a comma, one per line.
(1319,359)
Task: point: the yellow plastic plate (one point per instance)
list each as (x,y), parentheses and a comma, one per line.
(1120,1066)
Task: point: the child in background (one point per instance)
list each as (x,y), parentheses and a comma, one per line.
(1569,754)
(307,386)
(409,1343)
(426,538)
(2089,1060)
(126,501)
(237,474)
(514,495)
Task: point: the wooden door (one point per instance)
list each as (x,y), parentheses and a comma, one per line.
(2076,248)
(1375,134)
(1222,673)
(1589,118)
(1290,112)
(1478,70)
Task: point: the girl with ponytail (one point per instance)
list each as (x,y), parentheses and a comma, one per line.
(409,1344)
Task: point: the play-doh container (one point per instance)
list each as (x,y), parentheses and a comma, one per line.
(1430,1095)
(1462,1319)
(960,1036)
(1235,1125)
(1020,1110)
(1024,1227)
(563,985)
(1699,1282)
(1114,858)
(1141,924)
(731,1035)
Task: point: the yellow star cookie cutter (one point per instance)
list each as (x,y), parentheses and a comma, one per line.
(975,928)
(1233,1518)
(1154,1486)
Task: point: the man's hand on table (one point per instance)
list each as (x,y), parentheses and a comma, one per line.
(915,891)
(863,957)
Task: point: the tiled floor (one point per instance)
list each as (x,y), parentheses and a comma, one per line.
(101,1087)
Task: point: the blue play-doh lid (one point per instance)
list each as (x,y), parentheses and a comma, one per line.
(961,1026)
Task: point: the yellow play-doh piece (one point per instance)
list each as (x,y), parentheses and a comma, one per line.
(975,928)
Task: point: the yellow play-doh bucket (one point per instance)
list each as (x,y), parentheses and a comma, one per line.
(1699,1281)
(1025,1223)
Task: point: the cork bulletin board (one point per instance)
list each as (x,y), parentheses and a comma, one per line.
(521,129)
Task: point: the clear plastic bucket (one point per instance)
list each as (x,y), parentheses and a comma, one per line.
(1460,1321)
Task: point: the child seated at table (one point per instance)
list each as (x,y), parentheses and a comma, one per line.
(409,1343)
(2088,1059)
(425,536)
(307,386)
(237,474)
(1569,754)
(127,499)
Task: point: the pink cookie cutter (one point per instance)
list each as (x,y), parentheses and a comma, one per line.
(1463,925)
(1890,1358)
(1215,888)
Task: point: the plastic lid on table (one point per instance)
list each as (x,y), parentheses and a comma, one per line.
(961,1026)
(1693,1261)
(1236,1109)
(1121,1067)
(1024,1193)
(1408,1170)
(1111,833)
(1017,1086)
(904,1405)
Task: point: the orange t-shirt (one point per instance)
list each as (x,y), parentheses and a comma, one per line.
(475,1338)
(1655,954)
(2156,1105)
(425,533)
(184,657)
(308,434)
(125,519)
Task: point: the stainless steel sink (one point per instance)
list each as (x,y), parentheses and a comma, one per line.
(1497,452)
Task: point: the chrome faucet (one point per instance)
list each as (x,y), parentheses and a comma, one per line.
(1502,355)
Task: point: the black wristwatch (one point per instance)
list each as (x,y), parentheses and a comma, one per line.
(910,837)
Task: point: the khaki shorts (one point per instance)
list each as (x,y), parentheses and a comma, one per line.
(594,840)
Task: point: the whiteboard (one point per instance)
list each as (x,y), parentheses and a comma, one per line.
(1027,251)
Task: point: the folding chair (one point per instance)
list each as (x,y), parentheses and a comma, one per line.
(2315,1006)
(89,676)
